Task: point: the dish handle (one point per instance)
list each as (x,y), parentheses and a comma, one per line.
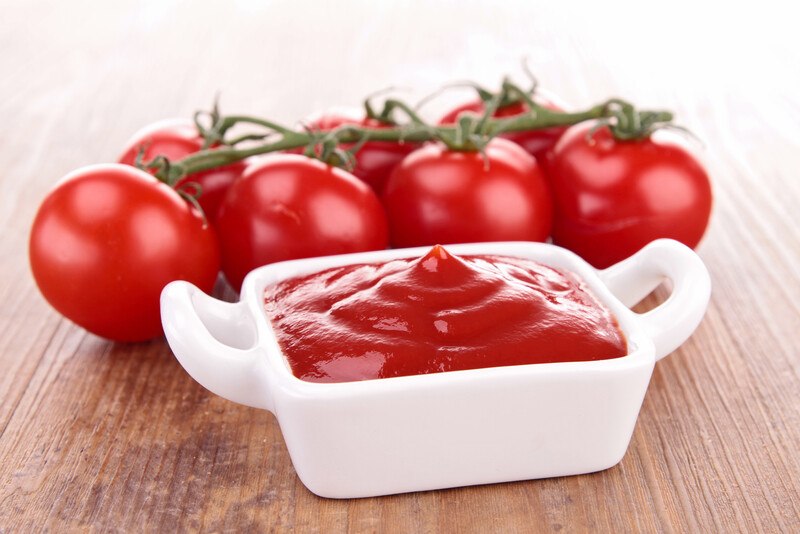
(673,321)
(216,342)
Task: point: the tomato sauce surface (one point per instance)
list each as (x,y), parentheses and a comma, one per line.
(435,314)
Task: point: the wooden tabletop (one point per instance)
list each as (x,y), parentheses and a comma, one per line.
(112,437)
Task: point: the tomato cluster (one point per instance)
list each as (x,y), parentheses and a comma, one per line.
(108,238)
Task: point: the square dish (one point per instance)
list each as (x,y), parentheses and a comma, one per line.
(413,433)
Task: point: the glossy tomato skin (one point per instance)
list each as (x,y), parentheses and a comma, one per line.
(375,160)
(613,197)
(288,206)
(175,139)
(171,138)
(440,196)
(537,143)
(107,239)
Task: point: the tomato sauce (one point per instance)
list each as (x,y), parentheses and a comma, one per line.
(435,314)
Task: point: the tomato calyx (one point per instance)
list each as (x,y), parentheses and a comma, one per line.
(176,137)
(189,191)
(626,123)
(215,132)
(509,95)
(387,114)
(473,132)
(325,148)
(328,146)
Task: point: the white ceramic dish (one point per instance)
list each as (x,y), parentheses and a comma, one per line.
(395,435)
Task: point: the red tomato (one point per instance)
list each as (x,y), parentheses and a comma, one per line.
(105,242)
(537,143)
(441,196)
(288,206)
(175,139)
(613,197)
(375,159)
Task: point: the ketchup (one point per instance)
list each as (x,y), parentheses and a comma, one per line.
(435,314)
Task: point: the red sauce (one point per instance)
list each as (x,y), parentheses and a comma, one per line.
(434,314)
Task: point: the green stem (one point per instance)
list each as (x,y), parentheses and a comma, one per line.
(218,157)
(415,132)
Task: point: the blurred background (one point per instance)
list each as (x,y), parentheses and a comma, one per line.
(89,73)
(285,59)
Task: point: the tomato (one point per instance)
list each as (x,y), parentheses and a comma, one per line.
(175,139)
(107,239)
(442,196)
(288,206)
(375,159)
(613,197)
(537,143)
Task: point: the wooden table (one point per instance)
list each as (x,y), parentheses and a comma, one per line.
(111,437)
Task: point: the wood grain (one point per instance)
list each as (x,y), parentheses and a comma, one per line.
(106,437)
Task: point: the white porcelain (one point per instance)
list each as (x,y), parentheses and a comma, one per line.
(394,435)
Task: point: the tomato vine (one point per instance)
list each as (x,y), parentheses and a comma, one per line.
(470,133)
